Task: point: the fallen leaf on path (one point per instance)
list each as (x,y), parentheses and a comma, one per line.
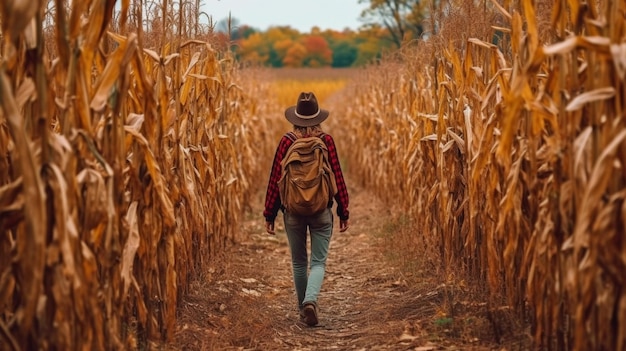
(407,337)
(250,292)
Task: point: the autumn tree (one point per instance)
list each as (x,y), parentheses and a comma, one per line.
(402,18)
(282,46)
(295,56)
(371,45)
(253,49)
(318,54)
(269,46)
(279,34)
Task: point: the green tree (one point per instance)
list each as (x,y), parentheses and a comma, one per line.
(344,53)
(371,43)
(402,18)
(243,31)
(343,46)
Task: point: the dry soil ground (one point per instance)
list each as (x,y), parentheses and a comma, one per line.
(246,300)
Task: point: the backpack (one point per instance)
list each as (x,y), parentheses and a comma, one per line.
(307,183)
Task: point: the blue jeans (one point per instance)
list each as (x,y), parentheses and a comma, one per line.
(320,227)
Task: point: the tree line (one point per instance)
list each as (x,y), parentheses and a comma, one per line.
(388,24)
(287,47)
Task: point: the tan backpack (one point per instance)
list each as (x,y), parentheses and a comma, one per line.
(307,183)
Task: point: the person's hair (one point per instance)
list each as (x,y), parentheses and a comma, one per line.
(302,132)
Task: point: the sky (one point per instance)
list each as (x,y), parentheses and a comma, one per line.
(298,14)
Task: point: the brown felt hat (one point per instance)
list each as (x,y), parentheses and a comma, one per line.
(306,112)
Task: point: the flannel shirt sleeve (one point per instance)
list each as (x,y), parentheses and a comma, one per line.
(341,197)
(272,196)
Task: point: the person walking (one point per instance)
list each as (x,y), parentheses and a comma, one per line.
(306,117)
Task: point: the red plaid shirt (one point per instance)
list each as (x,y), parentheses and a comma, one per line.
(272,197)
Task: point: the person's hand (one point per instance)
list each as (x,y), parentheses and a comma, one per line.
(269,228)
(344,224)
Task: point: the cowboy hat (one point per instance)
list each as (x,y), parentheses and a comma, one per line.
(306,112)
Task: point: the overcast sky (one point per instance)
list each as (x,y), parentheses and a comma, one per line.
(298,14)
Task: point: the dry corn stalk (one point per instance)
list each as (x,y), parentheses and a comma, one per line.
(123,171)
(511,159)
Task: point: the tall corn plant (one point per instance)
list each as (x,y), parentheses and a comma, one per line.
(511,156)
(124,170)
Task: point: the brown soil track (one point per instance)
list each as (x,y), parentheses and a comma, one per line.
(246,300)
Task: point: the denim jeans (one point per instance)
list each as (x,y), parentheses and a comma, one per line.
(320,227)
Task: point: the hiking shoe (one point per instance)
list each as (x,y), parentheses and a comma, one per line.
(301,313)
(310,314)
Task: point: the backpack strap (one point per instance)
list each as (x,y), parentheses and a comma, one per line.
(292,136)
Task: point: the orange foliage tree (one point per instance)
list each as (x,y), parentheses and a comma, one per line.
(295,56)
(253,49)
(318,52)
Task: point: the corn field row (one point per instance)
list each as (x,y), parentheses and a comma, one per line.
(123,170)
(510,158)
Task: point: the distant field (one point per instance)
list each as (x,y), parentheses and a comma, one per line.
(325,73)
(287,83)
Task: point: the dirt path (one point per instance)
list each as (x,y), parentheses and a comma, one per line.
(247,302)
